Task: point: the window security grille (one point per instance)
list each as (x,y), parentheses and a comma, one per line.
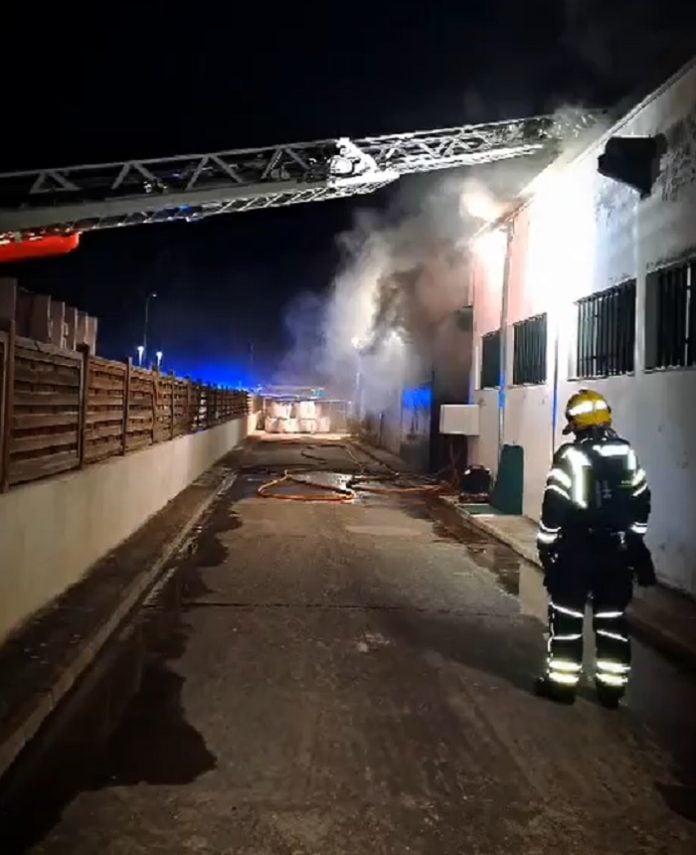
(606,332)
(490,360)
(671,317)
(529,351)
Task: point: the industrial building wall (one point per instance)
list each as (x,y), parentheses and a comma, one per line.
(487,270)
(451,383)
(580,234)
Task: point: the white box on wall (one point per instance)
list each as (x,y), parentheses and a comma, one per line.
(459,419)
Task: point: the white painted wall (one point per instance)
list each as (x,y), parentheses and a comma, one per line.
(581,233)
(528,423)
(483,449)
(52,531)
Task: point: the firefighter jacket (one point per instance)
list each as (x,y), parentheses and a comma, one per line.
(596,486)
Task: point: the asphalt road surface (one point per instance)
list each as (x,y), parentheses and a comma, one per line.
(346,679)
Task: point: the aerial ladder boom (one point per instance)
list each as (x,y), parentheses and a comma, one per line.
(69,200)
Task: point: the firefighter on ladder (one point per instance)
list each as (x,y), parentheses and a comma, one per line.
(594,518)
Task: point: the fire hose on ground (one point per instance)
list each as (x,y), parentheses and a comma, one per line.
(332,493)
(329,493)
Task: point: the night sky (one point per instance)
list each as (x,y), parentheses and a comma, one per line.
(91,82)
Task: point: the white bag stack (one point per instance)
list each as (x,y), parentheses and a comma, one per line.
(306,410)
(296,417)
(280,410)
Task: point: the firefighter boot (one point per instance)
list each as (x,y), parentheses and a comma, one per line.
(545,687)
(609,696)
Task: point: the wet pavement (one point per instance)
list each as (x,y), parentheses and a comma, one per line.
(355,677)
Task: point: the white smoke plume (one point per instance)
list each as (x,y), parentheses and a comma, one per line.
(403,272)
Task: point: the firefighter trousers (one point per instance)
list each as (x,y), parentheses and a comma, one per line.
(602,578)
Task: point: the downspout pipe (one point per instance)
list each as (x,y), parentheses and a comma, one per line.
(504,303)
(554,407)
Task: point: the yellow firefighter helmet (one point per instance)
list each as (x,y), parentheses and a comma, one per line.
(587,409)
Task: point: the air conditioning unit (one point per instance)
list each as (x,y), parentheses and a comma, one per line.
(462,419)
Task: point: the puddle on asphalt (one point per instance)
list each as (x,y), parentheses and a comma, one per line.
(204,547)
(325,479)
(118,726)
(116,729)
(511,573)
(306,483)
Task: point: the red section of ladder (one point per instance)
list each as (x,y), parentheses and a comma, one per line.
(38,247)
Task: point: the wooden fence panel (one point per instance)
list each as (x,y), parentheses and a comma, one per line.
(200,404)
(61,409)
(213,396)
(45,419)
(181,407)
(141,409)
(164,408)
(238,405)
(105,403)
(3,359)
(6,382)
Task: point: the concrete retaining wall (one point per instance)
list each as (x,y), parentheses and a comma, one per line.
(52,531)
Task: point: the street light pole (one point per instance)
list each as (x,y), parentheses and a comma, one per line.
(151,296)
(357,392)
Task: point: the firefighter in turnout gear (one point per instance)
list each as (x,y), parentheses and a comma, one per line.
(594,518)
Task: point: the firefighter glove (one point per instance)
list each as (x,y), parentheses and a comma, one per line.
(641,563)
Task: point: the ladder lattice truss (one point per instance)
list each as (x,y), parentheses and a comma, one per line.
(190,187)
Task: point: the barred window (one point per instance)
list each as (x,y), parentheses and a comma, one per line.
(529,351)
(490,360)
(671,317)
(606,332)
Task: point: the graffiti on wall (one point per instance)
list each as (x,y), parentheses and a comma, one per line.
(678,168)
